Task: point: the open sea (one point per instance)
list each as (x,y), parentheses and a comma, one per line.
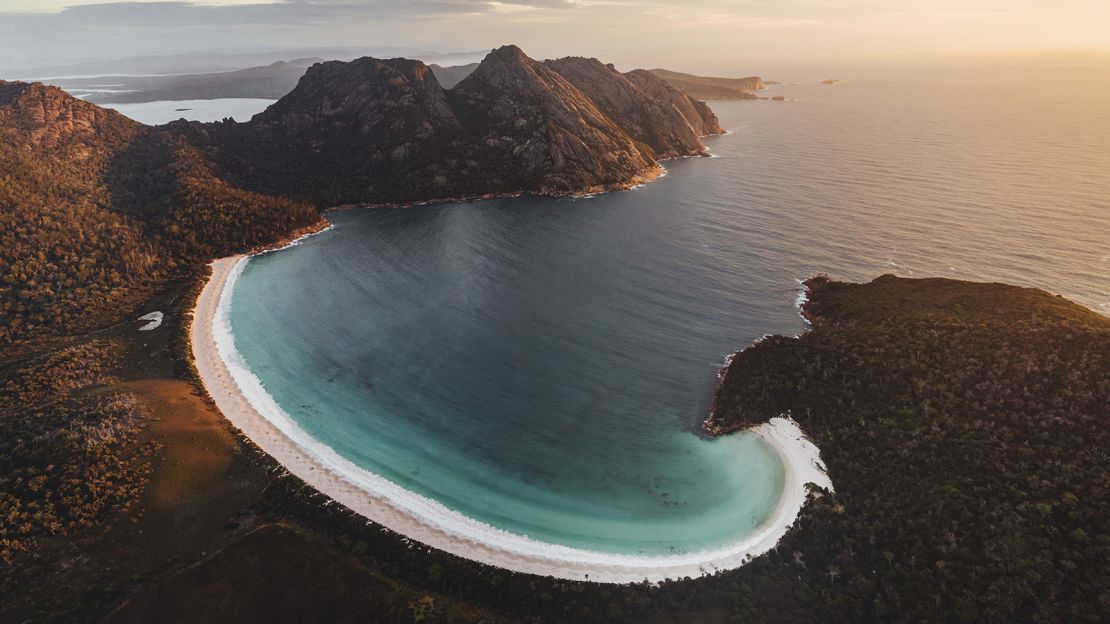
(542,365)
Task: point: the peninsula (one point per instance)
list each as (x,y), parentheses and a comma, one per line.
(962,424)
(134,205)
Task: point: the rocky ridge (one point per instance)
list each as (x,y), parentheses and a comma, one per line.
(385,131)
(88,196)
(652,122)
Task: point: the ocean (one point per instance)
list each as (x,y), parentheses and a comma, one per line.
(165,111)
(542,365)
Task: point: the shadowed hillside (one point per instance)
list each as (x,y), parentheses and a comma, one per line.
(98,209)
(964,426)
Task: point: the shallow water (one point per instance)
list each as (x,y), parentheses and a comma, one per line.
(541,365)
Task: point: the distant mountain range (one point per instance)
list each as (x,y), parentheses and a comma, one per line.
(276,79)
(227,60)
(266,82)
(453,75)
(123,205)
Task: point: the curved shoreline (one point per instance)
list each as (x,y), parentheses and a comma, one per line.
(240,397)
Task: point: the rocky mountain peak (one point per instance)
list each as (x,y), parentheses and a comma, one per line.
(697,113)
(49,116)
(508,54)
(652,122)
(543,128)
(364,93)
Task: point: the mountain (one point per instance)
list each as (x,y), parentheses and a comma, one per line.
(369,130)
(650,121)
(61,247)
(452,75)
(95,208)
(697,113)
(267,82)
(385,131)
(93,198)
(543,134)
(707,88)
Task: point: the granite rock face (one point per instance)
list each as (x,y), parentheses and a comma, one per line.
(697,113)
(48,117)
(367,130)
(378,131)
(541,132)
(651,122)
(385,131)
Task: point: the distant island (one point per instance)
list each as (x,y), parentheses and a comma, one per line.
(708,88)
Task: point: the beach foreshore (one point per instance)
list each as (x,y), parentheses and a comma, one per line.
(241,398)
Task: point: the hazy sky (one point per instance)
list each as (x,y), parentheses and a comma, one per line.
(702,35)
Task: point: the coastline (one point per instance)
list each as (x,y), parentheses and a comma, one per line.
(245,404)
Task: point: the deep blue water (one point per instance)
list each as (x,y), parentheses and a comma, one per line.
(542,364)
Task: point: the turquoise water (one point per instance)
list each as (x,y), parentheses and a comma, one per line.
(433,347)
(542,365)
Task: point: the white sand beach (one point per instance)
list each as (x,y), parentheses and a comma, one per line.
(239,395)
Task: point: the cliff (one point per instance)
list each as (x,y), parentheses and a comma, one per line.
(650,121)
(697,113)
(385,131)
(711,88)
(542,134)
(46,116)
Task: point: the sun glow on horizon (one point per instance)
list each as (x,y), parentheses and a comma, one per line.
(720,33)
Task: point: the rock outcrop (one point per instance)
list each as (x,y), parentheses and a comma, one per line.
(697,113)
(367,130)
(120,205)
(652,122)
(385,131)
(540,132)
(47,116)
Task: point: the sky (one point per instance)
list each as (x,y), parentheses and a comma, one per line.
(738,36)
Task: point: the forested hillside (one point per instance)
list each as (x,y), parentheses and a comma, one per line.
(96,210)
(965,428)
